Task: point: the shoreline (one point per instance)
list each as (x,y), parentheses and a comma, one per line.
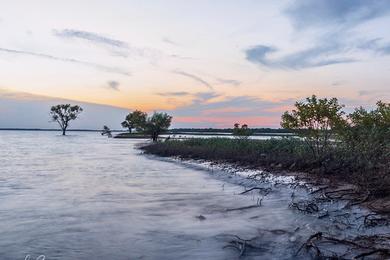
(314,183)
(286,157)
(351,224)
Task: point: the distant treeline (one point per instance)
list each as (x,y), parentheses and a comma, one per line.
(171,131)
(229,130)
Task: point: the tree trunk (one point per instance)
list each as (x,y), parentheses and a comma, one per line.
(130,130)
(154,137)
(63,131)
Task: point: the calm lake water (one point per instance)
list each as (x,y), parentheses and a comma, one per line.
(85,196)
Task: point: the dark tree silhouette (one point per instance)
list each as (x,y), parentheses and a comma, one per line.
(63,114)
(135,120)
(106,131)
(242,132)
(157,124)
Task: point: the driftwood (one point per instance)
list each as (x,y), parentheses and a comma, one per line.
(243,208)
(242,245)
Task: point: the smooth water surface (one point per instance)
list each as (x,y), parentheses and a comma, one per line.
(85,196)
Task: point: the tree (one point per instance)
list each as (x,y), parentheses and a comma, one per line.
(242,132)
(135,120)
(157,124)
(368,132)
(63,114)
(316,120)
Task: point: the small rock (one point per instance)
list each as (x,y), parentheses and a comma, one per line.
(292,238)
(201,217)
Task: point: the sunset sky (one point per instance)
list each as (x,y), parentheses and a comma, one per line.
(208,63)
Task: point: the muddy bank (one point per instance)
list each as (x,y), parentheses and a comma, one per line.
(367,186)
(331,220)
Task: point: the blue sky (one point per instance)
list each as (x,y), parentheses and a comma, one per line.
(208,63)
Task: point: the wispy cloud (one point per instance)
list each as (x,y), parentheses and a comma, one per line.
(169,41)
(90,36)
(335,19)
(197,97)
(173,94)
(194,77)
(115,46)
(375,45)
(232,82)
(317,56)
(70,60)
(113,85)
(338,83)
(331,49)
(341,13)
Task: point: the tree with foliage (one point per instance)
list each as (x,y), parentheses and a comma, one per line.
(157,124)
(242,132)
(63,114)
(316,120)
(136,119)
(368,132)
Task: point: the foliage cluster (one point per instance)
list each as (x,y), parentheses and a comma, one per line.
(153,125)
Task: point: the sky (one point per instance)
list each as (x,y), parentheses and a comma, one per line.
(207,63)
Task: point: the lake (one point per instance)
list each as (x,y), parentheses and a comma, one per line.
(85,196)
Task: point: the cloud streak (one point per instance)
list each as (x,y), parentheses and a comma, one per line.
(193,77)
(116,47)
(90,36)
(232,82)
(173,94)
(317,56)
(69,60)
(348,13)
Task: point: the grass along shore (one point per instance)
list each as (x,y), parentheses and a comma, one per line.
(372,177)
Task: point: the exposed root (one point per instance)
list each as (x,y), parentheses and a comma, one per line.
(305,206)
(356,248)
(242,245)
(373,220)
(319,189)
